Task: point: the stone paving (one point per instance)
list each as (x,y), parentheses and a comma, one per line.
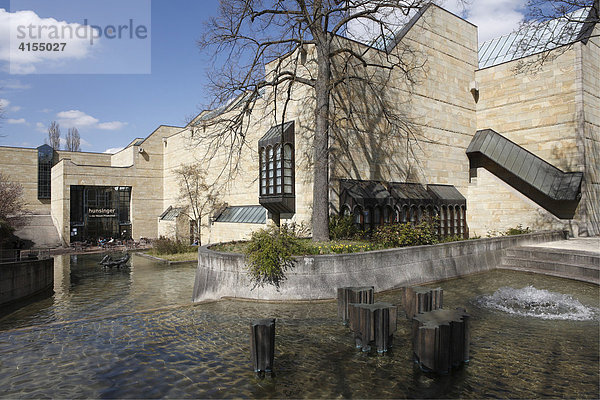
(588,244)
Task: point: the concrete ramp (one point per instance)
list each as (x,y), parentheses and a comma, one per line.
(556,191)
(40,230)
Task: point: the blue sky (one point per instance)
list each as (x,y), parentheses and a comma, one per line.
(110,109)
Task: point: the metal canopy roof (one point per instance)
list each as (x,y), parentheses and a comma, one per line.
(371,193)
(536,38)
(410,191)
(171,213)
(244,215)
(447,193)
(277,134)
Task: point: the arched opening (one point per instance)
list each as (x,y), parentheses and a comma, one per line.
(377,217)
(345,212)
(358,217)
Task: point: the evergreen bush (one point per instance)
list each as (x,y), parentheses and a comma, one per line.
(269,254)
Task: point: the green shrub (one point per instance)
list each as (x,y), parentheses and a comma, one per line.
(342,227)
(518,230)
(269,254)
(400,235)
(165,245)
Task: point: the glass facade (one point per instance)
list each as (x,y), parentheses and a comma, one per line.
(99,212)
(45,158)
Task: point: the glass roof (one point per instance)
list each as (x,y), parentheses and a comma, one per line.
(533,39)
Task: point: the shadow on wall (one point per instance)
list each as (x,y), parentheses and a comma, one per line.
(373,132)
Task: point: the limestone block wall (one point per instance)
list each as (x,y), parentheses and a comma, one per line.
(21,166)
(123,158)
(439,107)
(535,110)
(231,231)
(85,158)
(553,113)
(240,187)
(442,102)
(60,205)
(590,108)
(493,206)
(143,198)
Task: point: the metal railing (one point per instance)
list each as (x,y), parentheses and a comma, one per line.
(14,255)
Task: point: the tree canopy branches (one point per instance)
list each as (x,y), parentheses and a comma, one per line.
(266,50)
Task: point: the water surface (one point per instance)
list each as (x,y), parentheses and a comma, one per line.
(202,351)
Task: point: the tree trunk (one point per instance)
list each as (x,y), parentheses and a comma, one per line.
(320,213)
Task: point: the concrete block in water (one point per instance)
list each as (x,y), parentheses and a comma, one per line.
(262,345)
(441,339)
(420,299)
(350,295)
(373,323)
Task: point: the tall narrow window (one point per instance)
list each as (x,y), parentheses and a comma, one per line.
(263,172)
(278,170)
(271,162)
(45,156)
(288,177)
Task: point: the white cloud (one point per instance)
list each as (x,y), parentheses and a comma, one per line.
(41,127)
(79,119)
(15,108)
(28,27)
(46,110)
(75,119)
(4,103)
(495,18)
(112,126)
(13,121)
(113,150)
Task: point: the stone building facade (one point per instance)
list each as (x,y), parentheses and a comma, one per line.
(549,119)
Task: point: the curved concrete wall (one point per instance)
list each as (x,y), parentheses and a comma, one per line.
(23,279)
(318,277)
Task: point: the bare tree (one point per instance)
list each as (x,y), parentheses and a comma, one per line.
(12,205)
(54,135)
(268,49)
(199,197)
(73,140)
(554,25)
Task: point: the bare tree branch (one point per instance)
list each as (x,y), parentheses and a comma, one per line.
(265,51)
(73,140)
(54,135)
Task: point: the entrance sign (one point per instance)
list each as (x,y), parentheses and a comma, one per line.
(102,212)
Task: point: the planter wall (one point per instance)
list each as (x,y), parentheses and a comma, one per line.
(318,277)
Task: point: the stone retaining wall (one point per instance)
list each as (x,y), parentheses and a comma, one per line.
(317,277)
(23,279)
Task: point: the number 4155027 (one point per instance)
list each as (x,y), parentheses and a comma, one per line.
(42,46)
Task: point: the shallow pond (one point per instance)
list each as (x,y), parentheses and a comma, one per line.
(113,349)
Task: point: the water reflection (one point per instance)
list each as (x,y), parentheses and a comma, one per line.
(203,350)
(84,289)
